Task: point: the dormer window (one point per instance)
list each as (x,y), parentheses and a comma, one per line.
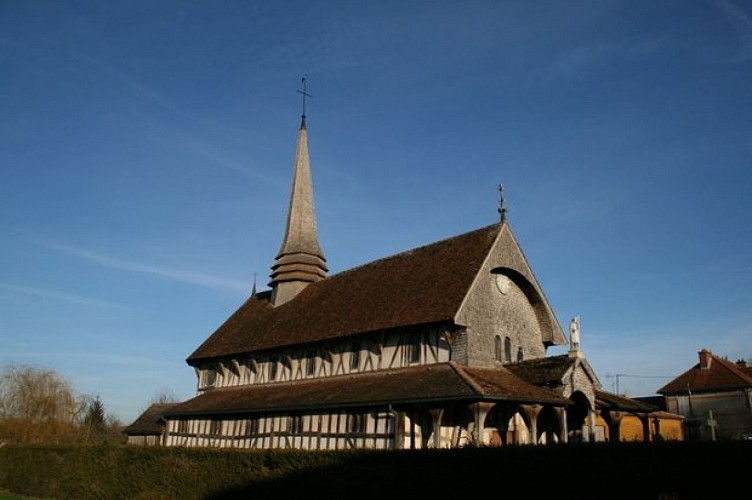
(413,354)
(356,423)
(310,361)
(210,377)
(273,361)
(355,356)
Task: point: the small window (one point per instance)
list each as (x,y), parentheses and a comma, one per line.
(519,354)
(497,348)
(273,368)
(211,377)
(310,360)
(183,426)
(296,424)
(355,356)
(251,427)
(507,349)
(356,423)
(414,350)
(215,427)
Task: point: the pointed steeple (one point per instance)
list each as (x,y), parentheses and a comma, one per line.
(300,260)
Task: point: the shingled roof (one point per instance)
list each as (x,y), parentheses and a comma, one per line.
(150,421)
(718,374)
(543,371)
(421,286)
(609,401)
(440,382)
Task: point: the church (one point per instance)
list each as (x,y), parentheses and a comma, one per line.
(441,346)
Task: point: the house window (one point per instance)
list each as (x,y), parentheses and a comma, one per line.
(356,423)
(310,359)
(273,368)
(497,348)
(211,377)
(355,356)
(215,427)
(414,350)
(251,427)
(507,349)
(296,424)
(183,426)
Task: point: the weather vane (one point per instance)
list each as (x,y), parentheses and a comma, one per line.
(305,93)
(502,209)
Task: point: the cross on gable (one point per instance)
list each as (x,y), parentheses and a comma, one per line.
(712,423)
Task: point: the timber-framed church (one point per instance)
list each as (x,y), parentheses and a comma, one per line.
(440,346)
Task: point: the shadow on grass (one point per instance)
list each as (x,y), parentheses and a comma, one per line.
(667,471)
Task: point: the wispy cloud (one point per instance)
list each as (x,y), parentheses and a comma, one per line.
(111,262)
(742,24)
(44,357)
(584,59)
(40,293)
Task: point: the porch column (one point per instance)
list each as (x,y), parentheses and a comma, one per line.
(645,421)
(532,412)
(480,410)
(436,414)
(561,412)
(614,425)
(592,416)
(399,429)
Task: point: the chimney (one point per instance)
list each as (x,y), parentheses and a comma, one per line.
(741,363)
(705,358)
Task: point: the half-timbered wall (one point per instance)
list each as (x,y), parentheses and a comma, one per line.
(145,440)
(372,429)
(346,356)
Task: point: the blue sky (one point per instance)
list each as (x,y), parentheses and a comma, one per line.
(146,153)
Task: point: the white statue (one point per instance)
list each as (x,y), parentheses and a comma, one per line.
(574,330)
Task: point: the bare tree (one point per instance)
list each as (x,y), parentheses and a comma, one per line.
(37,405)
(164,396)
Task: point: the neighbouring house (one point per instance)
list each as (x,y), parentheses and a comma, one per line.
(444,345)
(714,397)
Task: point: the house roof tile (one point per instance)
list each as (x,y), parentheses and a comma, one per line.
(609,401)
(425,383)
(722,375)
(421,286)
(543,371)
(150,421)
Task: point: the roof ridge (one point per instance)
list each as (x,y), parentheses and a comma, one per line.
(414,250)
(460,370)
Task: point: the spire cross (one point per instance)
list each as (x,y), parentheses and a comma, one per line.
(305,93)
(502,209)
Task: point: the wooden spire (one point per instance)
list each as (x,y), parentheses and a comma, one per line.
(300,260)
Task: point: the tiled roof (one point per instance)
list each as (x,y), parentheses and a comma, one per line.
(150,421)
(551,371)
(426,383)
(543,371)
(421,286)
(658,401)
(665,415)
(609,401)
(722,375)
